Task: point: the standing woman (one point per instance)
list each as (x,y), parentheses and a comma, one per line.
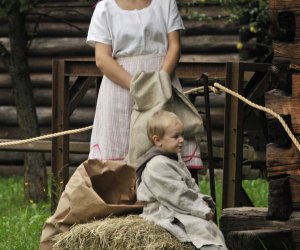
(131,36)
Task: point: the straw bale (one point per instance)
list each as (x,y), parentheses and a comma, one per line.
(116,233)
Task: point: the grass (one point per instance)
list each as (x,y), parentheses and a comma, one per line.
(21,223)
(257,191)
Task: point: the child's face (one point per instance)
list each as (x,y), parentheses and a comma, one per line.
(172,141)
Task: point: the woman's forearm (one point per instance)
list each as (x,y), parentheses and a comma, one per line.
(173,53)
(110,67)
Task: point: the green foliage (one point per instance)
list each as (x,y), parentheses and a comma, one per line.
(254,19)
(23,5)
(253,12)
(195,15)
(21,222)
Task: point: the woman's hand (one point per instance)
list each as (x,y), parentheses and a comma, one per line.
(110,67)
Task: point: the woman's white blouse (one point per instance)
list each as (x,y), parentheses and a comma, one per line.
(134,32)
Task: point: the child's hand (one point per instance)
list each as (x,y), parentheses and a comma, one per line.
(210,202)
(210,216)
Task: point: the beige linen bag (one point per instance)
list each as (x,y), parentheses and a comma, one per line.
(153,91)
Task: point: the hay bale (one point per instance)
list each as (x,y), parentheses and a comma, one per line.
(116,233)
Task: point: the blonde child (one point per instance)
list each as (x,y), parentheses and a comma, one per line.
(171,196)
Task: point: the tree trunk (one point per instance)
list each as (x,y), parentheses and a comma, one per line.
(35,176)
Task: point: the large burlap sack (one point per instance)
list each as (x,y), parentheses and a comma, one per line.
(96,190)
(153,91)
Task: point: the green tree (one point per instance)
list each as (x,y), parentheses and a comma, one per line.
(254,20)
(15,59)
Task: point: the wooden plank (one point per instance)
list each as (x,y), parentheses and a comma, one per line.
(260,239)
(183,70)
(249,218)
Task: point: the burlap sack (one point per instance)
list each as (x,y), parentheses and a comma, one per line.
(96,189)
(153,91)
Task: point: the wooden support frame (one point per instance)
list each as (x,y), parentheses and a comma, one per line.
(86,72)
(233,193)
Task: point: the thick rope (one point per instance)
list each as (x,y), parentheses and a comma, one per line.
(259,107)
(42,137)
(216,89)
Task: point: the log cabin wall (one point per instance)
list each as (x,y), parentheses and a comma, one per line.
(62,33)
(282,156)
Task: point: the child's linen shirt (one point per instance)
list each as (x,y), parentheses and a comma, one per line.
(174,202)
(134,32)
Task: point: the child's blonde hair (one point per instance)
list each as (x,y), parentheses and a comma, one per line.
(158,123)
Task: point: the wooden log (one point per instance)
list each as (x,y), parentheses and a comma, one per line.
(64,3)
(17,158)
(212,27)
(76,46)
(282,157)
(213,11)
(81,116)
(213,57)
(44,64)
(283,4)
(296,85)
(287,51)
(13,132)
(283,104)
(277,133)
(43,97)
(79,29)
(18,170)
(37,80)
(249,218)
(52,29)
(217,117)
(66,13)
(209,44)
(215,100)
(295,190)
(279,200)
(260,239)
